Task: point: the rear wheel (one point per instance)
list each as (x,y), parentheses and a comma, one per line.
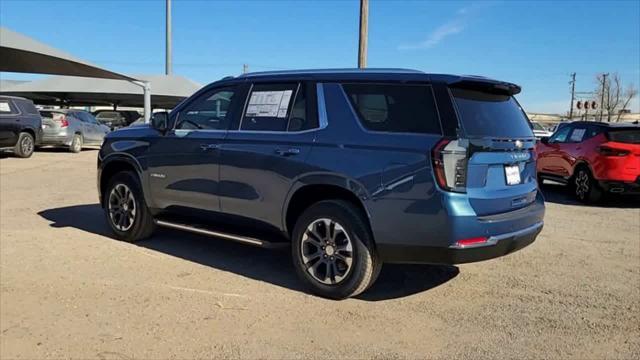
(125,209)
(585,187)
(25,145)
(76,144)
(333,250)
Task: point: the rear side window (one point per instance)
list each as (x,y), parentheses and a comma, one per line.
(269,107)
(28,107)
(490,115)
(629,136)
(395,108)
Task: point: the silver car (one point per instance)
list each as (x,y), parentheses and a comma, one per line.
(71,128)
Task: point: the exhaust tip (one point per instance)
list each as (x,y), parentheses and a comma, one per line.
(616,190)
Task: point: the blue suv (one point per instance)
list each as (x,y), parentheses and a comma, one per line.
(352,168)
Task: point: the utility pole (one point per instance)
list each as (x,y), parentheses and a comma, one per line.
(604,81)
(573,94)
(245,68)
(364,33)
(168,63)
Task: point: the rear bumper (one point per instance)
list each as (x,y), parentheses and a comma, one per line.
(621,187)
(498,245)
(505,233)
(57,139)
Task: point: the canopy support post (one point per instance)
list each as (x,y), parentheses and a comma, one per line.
(146,87)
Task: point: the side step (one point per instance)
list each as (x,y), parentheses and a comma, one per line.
(219,234)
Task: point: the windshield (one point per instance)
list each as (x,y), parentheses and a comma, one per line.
(485,114)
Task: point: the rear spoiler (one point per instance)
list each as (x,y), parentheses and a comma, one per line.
(486,85)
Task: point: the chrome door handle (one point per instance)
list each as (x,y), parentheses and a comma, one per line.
(207,147)
(288,152)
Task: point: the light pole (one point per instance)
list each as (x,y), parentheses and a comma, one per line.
(364,33)
(168,63)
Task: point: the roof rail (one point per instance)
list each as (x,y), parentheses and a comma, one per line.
(332,71)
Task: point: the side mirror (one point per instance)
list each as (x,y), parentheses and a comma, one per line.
(160,121)
(544,140)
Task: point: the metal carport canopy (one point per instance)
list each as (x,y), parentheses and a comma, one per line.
(19,53)
(166,91)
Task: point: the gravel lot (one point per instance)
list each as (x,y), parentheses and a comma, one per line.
(68,290)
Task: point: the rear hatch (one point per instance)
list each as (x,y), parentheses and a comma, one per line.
(497,144)
(53,121)
(623,150)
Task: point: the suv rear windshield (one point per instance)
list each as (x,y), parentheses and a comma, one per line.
(629,136)
(493,115)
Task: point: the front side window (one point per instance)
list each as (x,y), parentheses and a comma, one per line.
(394,107)
(561,135)
(211,111)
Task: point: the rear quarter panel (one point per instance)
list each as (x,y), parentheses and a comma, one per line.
(390,173)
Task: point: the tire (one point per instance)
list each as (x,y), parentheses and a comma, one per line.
(126,210)
(585,187)
(322,261)
(24,146)
(76,144)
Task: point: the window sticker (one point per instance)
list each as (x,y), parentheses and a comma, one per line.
(269,103)
(578,134)
(4,107)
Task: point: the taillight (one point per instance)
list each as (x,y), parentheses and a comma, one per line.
(63,121)
(450,165)
(476,241)
(609,151)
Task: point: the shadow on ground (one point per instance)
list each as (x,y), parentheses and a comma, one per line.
(273,266)
(559,194)
(9,153)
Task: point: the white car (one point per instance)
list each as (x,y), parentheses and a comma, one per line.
(539,131)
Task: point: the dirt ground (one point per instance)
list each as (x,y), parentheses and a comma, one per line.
(68,290)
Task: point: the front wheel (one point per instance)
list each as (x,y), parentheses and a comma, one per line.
(333,250)
(586,188)
(125,209)
(25,145)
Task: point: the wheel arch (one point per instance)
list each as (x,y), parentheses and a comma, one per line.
(305,194)
(115,164)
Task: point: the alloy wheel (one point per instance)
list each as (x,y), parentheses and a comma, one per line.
(582,184)
(26,145)
(327,251)
(122,207)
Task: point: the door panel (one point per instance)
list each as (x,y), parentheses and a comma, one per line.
(257,171)
(184,169)
(184,164)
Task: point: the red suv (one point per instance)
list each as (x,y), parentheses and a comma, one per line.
(593,158)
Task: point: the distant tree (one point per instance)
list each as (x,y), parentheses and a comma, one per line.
(614,97)
(629,94)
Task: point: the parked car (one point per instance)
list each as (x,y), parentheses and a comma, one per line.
(116,119)
(71,128)
(539,131)
(593,158)
(20,125)
(353,167)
